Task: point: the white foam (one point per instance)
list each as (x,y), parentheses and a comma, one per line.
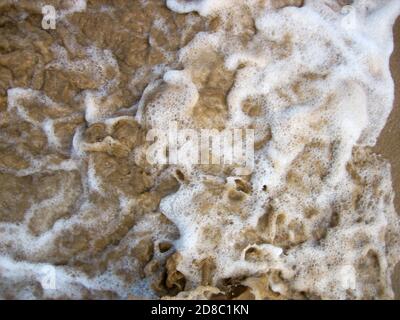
(320,76)
(349,82)
(202,7)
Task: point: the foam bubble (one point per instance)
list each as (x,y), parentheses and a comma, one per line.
(313,219)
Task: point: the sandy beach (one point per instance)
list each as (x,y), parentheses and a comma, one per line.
(388,144)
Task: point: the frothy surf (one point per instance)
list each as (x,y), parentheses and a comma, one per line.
(314,218)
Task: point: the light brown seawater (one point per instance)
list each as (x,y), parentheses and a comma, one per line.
(77,193)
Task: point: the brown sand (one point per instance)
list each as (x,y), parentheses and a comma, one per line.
(388,143)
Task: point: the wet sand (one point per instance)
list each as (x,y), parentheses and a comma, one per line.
(388,143)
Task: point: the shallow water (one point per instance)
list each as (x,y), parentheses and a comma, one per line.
(83,214)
